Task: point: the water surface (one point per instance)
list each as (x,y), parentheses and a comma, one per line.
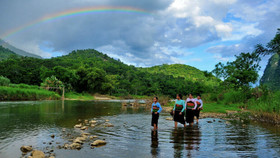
(32,123)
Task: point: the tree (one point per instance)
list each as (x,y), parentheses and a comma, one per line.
(271,48)
(52,83)
(241,72)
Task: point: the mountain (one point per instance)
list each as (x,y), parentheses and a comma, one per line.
(5,53)
(92,71)
(16,50)
(185,71)
(271,76)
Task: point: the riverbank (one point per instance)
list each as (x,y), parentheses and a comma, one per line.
(23,94)
(234,112)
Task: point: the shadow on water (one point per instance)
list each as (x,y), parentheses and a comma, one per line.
(154,143)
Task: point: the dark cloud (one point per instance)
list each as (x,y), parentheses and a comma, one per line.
(140,39)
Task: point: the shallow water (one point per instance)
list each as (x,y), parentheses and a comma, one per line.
(32,123)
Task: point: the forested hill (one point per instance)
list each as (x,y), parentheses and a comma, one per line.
(271,76)
(92,71)
(185,71)
(5,53)
(16,50)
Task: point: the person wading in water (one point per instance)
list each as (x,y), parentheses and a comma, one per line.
(178,111)
(199,103)
(156,109)
(190,106)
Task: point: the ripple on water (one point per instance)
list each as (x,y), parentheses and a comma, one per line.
(131,136)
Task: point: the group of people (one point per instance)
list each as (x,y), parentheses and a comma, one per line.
(183,111)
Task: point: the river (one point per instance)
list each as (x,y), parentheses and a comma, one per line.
(33,122)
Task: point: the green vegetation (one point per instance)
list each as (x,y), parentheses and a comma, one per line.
(4,81)
(12,93)
(90,71)
(271,74)
(178,70)
(85,72)
(78,96)
(220,108)
(5,53)
(269,103)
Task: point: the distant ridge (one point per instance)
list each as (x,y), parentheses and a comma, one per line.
(271,76)
(18,51)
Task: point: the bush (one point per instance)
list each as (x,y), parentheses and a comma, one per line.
(22,85)
(12,94)
(234,97)
(4,81)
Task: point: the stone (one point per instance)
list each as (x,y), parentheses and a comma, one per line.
(78,126)
(92,137)
(26,148)
(169,118)
(209,121)
(63,129)
(79,140)
(52,135)
(98,143)
(51,157)
(107,120)
(86,121)
(29,157)
(37,154)
(75,146)
(66,146)
(86,134)
(92,122)
(92,125)
(109,125)
(84,128)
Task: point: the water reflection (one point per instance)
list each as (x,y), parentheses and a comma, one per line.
(192,139)
(188,138)
(177,137)
(31,123)
(154,143)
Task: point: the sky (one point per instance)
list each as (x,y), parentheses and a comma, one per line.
(199,33)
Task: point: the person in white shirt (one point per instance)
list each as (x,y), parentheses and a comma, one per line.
(190,107)
(199,103)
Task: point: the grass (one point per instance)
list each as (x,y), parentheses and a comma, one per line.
(15,93)
(220,108)
(78,96)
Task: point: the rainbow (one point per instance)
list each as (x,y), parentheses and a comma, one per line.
(73,12)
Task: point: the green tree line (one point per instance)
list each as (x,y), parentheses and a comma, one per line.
(93,72)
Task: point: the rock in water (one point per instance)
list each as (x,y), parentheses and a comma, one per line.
(109,125)
(52,136)
(26,148)
(169,118)
(92,137)
(85,134)
(38,154)
(107,120)
(78,126)
(98,142)
(92,121)
(84,128)
(209,121)
(75,146)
